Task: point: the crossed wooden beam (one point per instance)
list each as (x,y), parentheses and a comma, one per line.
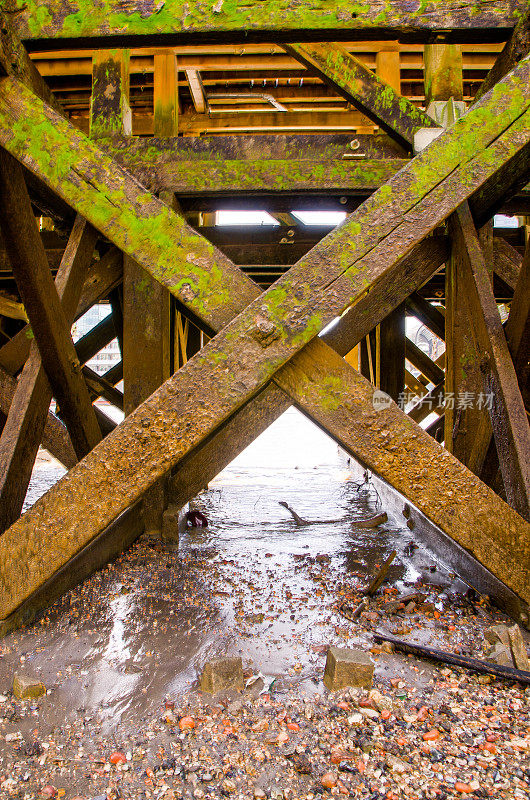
(267,353)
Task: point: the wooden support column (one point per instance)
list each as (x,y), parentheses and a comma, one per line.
(390,367)
(110,112)
(506,410)
(443,72)
(166,104)
(146,304)
(391,353)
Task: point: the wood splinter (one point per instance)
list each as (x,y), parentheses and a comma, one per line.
(381,575)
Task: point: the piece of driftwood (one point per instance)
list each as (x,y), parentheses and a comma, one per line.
(371,522)
(475,664)
(381,575)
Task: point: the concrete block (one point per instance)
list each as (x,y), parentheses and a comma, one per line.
(27,688)
(345,667)
(172,524)
(518,648)
(221,674)
(497,633)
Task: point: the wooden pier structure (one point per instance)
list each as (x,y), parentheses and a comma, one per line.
(125,126)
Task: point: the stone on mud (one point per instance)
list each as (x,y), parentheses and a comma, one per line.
(348,667)
(498,633)
(518,648)
(501,655)
(222,674)
(171,524)
(27,688)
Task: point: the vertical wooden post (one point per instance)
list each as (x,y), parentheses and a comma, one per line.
(146,304)
(110,112)
(443,72)
(391,353)
(166,106)
(390,362)
(443,80)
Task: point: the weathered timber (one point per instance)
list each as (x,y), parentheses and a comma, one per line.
(139,223)
(474,664)
(110,113)
(176,21)
(391,353)
(96,339)
(99,387)
(518,328)
(166,105)
(507,262)
(102,277)
(427,313)
(16,62)
(48,320)
(55,437)
(229,381)
(353,80)
(443,72)
(421,360)
(507,414)
(340,401)
(433,400)
(378,579)
(28,413)
(516,48)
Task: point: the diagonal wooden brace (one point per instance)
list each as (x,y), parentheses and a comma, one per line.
(353,80)
(233,367)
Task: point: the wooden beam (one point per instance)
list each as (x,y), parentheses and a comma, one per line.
(166,101)
(516,48)
(391,354)
(48,320)
(427,313)
(55,437)
(193,76)
(102,277)
(99,387)
(507,415)
(95,339)
(110,112)
(354,81)
(421,361)
(12,309)
(123,20)
(443,73)
(345,409)
(28,413)
(232,368)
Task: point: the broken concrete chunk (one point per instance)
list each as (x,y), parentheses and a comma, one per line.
(345,667)
(498,633)
(501,655)
(518,648)
(171,524)
(221,674)
(26,688)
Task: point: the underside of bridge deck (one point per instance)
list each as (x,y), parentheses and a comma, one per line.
(125,132)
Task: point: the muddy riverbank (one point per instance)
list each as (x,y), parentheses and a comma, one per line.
(120,655)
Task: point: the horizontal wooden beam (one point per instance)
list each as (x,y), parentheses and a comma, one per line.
(144,21)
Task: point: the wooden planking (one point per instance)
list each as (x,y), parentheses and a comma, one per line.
(516,48)
(354,81)
(48,320)
(177,21)
(507,415)
(28,413)
(210,387)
